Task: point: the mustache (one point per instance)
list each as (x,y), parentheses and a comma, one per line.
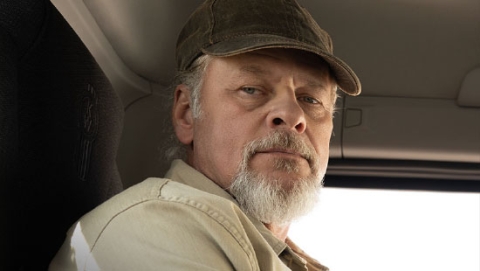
(282,140)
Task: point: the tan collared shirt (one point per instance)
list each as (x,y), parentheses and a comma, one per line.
(182,222)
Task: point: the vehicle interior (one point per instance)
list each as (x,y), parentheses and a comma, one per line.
(85,92)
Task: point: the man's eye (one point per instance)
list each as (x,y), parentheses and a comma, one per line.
(249,90)
(308,99)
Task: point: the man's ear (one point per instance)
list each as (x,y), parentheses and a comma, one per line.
(182,117)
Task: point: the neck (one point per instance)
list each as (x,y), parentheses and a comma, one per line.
(280,232)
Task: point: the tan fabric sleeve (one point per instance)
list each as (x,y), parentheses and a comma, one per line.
(184,231)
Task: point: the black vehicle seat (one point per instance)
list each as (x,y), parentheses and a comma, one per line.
(60,127)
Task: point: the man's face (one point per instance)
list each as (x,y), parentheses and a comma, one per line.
(257,96)
(249,96)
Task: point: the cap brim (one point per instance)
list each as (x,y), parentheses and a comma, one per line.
(346,78)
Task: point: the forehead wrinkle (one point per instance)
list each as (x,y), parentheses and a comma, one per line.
(254,70)
(311,82)
(315,84)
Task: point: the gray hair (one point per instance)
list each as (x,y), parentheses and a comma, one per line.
(193,79)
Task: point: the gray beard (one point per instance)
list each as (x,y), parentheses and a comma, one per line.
(274,201)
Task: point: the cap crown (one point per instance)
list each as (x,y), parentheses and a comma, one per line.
(229,27)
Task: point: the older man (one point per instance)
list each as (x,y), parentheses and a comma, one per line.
(253,105)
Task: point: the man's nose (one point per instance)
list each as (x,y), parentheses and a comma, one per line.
(286,112)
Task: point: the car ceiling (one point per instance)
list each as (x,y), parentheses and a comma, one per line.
(409,49)
(402,48)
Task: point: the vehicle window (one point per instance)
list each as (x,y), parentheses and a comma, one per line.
(377,230)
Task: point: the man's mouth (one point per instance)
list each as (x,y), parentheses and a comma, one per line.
(282,145)
(282,151)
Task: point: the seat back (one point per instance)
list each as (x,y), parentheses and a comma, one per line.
(60,127)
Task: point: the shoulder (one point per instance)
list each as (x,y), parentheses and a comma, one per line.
(164,200)
(161,219)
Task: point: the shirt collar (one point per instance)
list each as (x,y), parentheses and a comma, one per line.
(183,173)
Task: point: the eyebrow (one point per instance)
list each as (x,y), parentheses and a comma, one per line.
(258,70)
(255,70)
(316,84)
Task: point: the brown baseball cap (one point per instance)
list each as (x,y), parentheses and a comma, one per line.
(231,27)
